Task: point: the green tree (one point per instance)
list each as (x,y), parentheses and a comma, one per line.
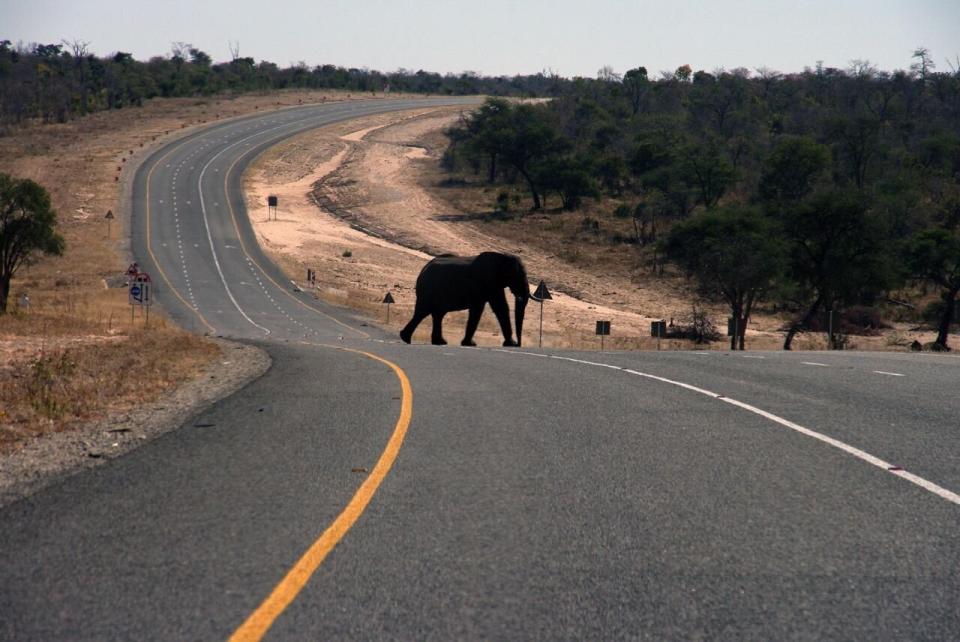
(839,250)
(483,132)
(705,168)
(792,169)
(519,135)
(733,253)
(26,226)
(934,255)
(637,84)
(569,177)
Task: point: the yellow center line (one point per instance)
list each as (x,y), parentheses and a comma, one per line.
(260,621)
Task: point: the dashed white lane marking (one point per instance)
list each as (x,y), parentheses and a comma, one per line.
(889,374)
(814,363)
(862,455)
(752,356)
(213,250)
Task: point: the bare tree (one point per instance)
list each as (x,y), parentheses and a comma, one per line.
(862,69)
(924,64)
(80,50)
(179,53)
(607,74)
(234,47)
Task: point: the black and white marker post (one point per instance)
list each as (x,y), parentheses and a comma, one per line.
(542,294)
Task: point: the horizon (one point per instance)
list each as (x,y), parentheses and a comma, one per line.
(503,39)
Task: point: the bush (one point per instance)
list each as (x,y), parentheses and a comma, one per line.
(697,327)
(589,224)
(863,318)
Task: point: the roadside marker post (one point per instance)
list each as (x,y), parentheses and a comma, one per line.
(542,294)
(109,218)
(658,329)
(830,329)
(603,330)
(388,300)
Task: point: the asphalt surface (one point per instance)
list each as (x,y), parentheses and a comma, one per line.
(537,494)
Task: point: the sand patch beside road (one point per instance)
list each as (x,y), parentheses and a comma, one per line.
(359,206)
(356,188)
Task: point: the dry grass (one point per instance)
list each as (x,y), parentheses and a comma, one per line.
(73,354)
(70,378)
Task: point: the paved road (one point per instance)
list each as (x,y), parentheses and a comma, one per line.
(537,494)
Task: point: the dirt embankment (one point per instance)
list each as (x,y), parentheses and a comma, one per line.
(361,206)
(354,208)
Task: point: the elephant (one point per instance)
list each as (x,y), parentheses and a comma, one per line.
(449,283)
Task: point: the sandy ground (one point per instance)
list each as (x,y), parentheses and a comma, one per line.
(354,207)
(356,187)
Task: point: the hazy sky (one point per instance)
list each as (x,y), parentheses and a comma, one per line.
(493,37)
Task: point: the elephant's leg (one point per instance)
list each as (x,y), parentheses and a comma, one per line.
(436,338)
(498,303)
(419,314)
(473,320)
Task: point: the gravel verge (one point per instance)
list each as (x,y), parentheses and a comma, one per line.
(56,456)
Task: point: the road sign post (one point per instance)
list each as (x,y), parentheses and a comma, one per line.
(272,207)
(542,294)
(830,329)
(603,329)
(658,329)
(388,300)
(140,293)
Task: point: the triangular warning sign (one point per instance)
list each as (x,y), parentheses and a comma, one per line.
(388,298)
(542,293)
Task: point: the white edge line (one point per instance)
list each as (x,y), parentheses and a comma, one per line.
(940,491)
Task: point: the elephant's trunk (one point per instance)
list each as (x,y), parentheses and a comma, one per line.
(519,308)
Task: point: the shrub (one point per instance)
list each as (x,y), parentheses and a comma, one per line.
(589,224)
(697,327)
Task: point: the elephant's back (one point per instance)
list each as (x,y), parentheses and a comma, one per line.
(448,281)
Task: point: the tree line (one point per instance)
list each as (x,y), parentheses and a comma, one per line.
(819,189)
(56,82)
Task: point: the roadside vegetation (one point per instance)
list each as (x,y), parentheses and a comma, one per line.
(69,351)
(58,81)
(831,189)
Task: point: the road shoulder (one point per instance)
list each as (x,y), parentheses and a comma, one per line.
(55,456)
